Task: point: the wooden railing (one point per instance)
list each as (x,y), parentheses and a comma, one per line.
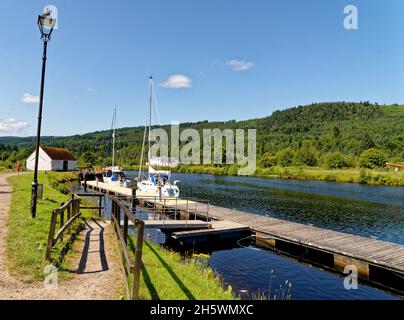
(100,197)
(175,208)
(130,266)
(69,210)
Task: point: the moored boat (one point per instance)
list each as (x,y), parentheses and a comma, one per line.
(157,182)
(114,174)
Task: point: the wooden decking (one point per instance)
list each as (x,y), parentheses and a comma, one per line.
(216,228)
(177,224)
(373,251)
(108,188)
(377,252)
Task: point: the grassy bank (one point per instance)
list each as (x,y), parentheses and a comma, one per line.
(26,239)
(362,176)
(166,275)
(386,177)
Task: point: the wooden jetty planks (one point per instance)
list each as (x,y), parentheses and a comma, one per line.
(177,224)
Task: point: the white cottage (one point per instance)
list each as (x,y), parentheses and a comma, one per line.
(52,159)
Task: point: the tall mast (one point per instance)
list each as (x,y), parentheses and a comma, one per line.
(113,137)
(147,126)
(150,115)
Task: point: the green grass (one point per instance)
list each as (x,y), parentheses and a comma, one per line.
(27,237)
(166,275)
(362,176)
(393,111)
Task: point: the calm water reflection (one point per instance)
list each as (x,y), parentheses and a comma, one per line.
(375,211)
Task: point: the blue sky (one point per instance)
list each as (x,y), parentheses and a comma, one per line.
(289,52)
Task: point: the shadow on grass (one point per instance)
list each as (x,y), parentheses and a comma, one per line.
(150,286)
(49,200)
(147,279)
(180,284)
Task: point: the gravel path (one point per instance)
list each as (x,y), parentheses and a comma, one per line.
(94,260)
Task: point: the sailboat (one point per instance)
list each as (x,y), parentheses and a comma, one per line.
(157,182)
(113,174)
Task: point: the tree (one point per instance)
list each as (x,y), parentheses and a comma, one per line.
(23,154)
(285,157)
(88,159)
(367,142)
(372,158)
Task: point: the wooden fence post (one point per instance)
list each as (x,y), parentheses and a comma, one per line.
(125,227)
(69,215)
(138,261)
(77,205)
(62,219)
(118,214)
(51,235)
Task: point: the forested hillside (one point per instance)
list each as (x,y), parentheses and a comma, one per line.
(332,135)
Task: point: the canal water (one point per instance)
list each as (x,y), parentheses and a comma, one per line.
(370,211)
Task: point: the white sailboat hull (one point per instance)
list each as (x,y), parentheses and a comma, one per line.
(167,190)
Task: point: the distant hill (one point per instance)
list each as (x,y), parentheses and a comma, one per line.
(321,128)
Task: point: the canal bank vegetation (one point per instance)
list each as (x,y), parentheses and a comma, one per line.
(333,141)
(166,275)
(353,175)
(27,237)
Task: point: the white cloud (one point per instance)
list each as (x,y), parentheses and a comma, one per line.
(240,65)
(29,98)
(90,89)
(12,125)
(177,81)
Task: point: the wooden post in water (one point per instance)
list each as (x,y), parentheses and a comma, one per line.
(118,214)
(99,206)
(85,182)
(134,199)
(113,210)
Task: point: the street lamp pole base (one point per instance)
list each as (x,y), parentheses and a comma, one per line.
(34,197)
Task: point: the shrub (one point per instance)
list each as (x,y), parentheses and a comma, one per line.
(372,158)
(336,160)
(232,170)
(363,177)
(268,160)
(285,157)
(62,188)
(306,156)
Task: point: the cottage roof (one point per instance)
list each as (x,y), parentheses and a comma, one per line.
(58,153)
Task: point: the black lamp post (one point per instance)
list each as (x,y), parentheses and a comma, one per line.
(46,24)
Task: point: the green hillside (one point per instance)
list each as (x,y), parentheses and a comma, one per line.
(330,135)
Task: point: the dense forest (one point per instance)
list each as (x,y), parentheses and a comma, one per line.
(329,135)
